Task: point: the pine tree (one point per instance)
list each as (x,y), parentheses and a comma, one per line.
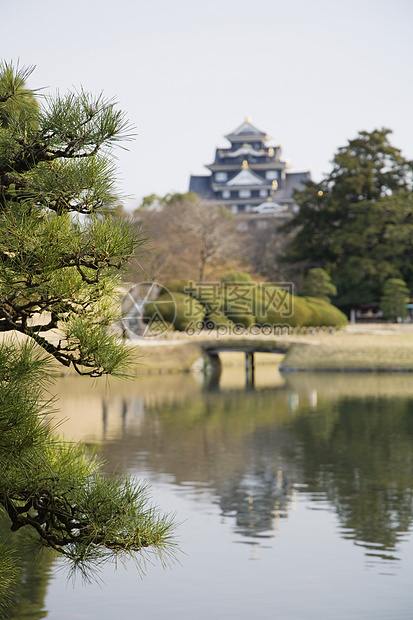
(318,284)
(357,222)
(395,298)
(58,297)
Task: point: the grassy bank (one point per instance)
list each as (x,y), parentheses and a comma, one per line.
(359,348)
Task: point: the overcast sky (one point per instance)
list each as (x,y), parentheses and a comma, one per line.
(311,73)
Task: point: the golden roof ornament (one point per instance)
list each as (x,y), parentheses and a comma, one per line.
(245,165)
(275,184)
(248,119)
(270,152)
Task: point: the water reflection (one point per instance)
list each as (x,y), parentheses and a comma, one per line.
(27,593)
(343,440)
(340,444)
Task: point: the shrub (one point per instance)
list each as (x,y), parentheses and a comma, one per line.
(177,308)
(239,302)
(250,305)
(324,313)
(236,277)
(214,320)
(296,311)
(276,306)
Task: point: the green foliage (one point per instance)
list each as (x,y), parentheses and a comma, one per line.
(178,285)
(358,222)
(216,320)
(211,298)
(318,284)
(394,300)
(279,307)
(54,162)
(59,275)
(236,277)
(239,302)
(9,578)
(176,308)
(246,304)
(57,488)
(158,203)
(323,313)
(18,106)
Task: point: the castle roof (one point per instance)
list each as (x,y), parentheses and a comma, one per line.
(246,177)
(246,130)
(201,185)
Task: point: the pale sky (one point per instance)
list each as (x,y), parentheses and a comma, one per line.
(312,73)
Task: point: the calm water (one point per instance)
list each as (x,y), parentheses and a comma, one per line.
(295,498)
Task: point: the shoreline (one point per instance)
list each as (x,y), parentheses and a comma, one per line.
(356,349)
(360,348)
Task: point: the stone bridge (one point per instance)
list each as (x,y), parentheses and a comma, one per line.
(249,346)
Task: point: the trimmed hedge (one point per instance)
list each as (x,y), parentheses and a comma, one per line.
(178,285)
(325,313)
(236,277)
(214,320)
(176,308)
(248,305)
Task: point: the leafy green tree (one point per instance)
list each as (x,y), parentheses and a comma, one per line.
(369,167)
(318,284)
(58,294)
(357,222)
(395,298)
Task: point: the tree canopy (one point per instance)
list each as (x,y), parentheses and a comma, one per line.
(357,222)
(395,298)
(62,255)
(318,284)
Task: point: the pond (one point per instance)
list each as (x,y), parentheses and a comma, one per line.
(294,498)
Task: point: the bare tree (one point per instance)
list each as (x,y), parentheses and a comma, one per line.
(187,236)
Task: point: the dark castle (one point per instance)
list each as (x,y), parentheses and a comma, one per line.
(250,176)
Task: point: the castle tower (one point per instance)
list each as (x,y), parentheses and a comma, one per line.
(249,175)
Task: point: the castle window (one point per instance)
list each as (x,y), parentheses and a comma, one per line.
(271,174)
(244,193)
(226,193)
(221,176)
(263,193)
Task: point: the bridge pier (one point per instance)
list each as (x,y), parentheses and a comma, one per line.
(249,369)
